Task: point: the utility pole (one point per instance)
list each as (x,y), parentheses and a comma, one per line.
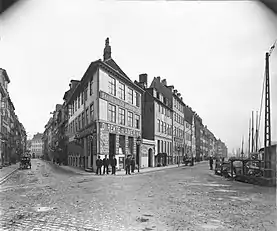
(252,133)
(242,147)
(257,132)
(249,135)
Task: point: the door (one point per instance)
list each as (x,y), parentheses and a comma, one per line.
(150,157)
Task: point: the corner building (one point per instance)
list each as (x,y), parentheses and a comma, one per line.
(104,115)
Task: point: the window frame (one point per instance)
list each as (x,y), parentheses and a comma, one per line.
(111,113)
(112,86)
(128,121)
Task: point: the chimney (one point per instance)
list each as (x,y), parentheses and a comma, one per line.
(175,91)
(171,87)
(159,78)
(143,79)
(107,50)
(164,82)
(178,94)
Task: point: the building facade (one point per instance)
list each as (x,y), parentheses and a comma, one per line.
(37,145)
(104,115)
(12,133)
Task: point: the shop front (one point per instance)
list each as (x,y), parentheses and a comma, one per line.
(119,141)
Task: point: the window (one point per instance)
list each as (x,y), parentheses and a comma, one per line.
(130,95)
(137,99)
(90,87)
(121,116)
(111,113)
(87,121)
(159,108)
(91,112)
(137,122)
(86,94)
(159,124)
(79,101)
(82,98)
(162,126)
(130,119)
(112,86)
(121,91)
(76,105)
(83,119)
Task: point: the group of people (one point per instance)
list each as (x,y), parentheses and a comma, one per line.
(105,163)
(129,165)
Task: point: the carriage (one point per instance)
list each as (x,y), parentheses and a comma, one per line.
(25,162)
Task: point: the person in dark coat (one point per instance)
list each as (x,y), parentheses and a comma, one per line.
(211,163)
(133,164)
(98,165)
(106,165)
(113,164)
(127,165)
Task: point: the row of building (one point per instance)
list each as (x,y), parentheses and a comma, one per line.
(12,133)
(106,113)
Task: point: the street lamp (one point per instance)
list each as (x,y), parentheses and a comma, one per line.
(139,141)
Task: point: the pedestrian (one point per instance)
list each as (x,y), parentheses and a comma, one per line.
(106,165)
(98,165)
(133,164)
(113,164)
(127,165)
(211,163)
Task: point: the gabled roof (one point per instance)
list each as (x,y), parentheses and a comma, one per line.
(4,73)
(114,65)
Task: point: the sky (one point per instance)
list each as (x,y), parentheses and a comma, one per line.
(212,52)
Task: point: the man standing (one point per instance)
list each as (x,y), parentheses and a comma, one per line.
(133,164)
(211,163)
(113,164)
(127,165)
(98,165)
(106,165)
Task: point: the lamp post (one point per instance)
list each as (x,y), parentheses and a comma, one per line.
(139,141)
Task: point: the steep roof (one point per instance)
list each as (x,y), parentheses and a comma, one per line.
(114,65)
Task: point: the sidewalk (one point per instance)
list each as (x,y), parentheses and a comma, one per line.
(122,172)
(5,172)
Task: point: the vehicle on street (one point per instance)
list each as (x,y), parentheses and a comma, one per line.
(25,162)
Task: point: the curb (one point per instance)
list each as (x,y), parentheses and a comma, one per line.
(3,179)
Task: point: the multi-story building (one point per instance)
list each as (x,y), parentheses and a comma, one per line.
(104,115)
(37,145)
(189,132)
(221,149)
(197,127)
(12,133)
(178,127)
(157,124)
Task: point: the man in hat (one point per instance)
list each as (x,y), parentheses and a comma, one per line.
(106,165)
(113,164)
(98,165)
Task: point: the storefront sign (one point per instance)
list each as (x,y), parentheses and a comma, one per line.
(119,130)
(121,103)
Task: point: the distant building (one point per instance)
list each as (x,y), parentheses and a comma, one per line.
(37,145)
(221,149)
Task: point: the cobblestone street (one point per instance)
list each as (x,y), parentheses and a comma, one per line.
(47,197)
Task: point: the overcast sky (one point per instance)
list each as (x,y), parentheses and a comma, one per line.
(212,52)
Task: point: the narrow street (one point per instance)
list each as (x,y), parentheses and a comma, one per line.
(47,197)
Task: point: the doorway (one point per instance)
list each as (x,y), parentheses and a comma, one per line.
(112,145)
(150,157)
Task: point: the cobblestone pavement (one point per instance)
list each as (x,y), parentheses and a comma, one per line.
(47,197)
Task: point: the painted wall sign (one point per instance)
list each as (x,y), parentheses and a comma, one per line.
(118,129)
(109,98)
